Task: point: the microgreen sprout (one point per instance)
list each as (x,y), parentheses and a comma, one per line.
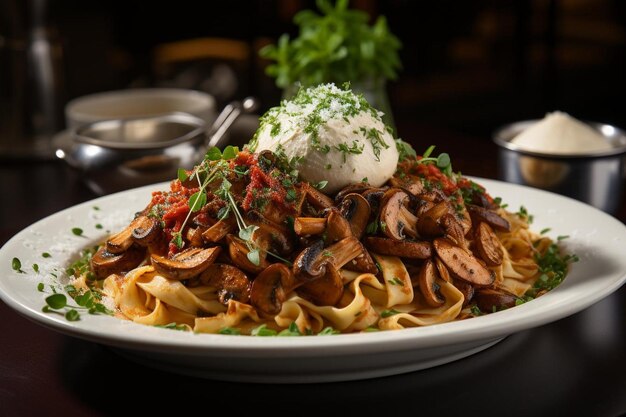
(442,161)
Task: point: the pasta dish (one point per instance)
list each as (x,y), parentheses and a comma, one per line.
(242,244)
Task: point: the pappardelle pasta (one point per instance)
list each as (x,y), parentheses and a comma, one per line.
(241,245)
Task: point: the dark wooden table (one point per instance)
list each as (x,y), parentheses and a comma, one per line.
(573,367)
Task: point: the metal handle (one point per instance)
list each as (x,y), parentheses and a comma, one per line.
(227,117)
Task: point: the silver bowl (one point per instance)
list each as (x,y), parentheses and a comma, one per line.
(113,155)
(596,178)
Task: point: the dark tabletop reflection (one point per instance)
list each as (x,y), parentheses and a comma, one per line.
(538,372)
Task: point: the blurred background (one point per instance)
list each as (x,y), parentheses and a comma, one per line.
(468,67)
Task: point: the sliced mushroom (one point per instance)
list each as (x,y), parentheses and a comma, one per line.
(324,291)
(218,231)
(276,214)
(147,231)
(490,300)
(480,199)
(337,227)
(270,288)
(403,249)
(462,264)
(231,283)
(270,235)
(300,201)
(395,217)
(411,183)
(429,222)
(428,286)
(465,220)
(444,273)
(238,251)
(105,263)
(362,263)
(488,245)
(422,207)
(344,251)
(374,196)
(121,241)
(453,229)
(357,188)
(311,262)
(185,264)
(318,199)
(194,236)
(433,195)
(356,210)
(479,214)
(309,226)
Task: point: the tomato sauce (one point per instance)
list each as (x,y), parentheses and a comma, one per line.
(434,175)
(173,207)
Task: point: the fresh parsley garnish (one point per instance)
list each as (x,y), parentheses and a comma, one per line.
(172,326)
(327,331)
(553,267)
(16,265)
(524,215)
(405,150)
(263,330)
(334,46)
(229,330)
(388,313)
(292,330)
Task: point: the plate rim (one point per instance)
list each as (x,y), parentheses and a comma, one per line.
(147,338)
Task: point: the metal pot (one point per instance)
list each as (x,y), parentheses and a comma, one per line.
(596,179)
(113,155)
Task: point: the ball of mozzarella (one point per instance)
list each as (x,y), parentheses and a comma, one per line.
(335,135)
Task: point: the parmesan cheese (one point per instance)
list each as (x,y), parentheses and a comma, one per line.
(559,133)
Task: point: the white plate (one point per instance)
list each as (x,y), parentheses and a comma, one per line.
(597,238)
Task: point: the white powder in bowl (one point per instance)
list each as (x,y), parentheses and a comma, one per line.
(559,133)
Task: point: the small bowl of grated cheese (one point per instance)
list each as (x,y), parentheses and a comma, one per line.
(583,160)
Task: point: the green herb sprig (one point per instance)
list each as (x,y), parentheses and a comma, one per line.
(215,167)
(388,313)
(210,172)
(405,150)
(173,326)
(87,301)
(442,161)
(16,265)
(553,267)
(524,215)
(335,46)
